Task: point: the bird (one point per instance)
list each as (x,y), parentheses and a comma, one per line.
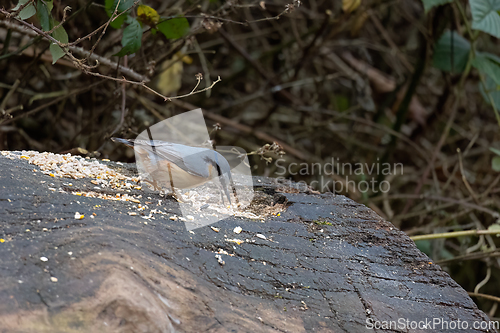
(183,166)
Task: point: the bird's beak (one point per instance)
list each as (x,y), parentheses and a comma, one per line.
(128,143)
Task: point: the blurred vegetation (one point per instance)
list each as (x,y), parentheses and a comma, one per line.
(410,85)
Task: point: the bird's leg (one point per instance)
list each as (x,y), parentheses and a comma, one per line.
(235,195)
(154,183)
(222,196)
(172,183)
(220,187)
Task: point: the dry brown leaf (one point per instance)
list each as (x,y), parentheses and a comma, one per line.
(170,79)
(381,83)
(348,6)
(359,23)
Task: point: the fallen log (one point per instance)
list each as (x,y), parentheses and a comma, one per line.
(323,263)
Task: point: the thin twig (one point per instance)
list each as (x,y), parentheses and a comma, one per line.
(464,179)
(80,51)
(437,149)
(471,256)
(464,202)
(204,65)
(54,101)
(389,41)
(34,31)
(485,296)
(368,122)
(66,9)
(9,95)
(249,131)
(103,26)
(484,281)
(17,11)
(490,98)
(199,77)
(181,96)
(111,19)
(124,102)
(455,234)
(264,73)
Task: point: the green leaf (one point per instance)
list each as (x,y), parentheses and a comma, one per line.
(55,50)
(488,64)
(49,4)
(130,20)
(495,163)
(496,151)
(110,6)
(131,40)
(428,4)
(27,11)
(43,15)
(60,33)
(118,22)
(485,16)
(424,246)
(495,227)
(451,52)
(493,90)
(174,28)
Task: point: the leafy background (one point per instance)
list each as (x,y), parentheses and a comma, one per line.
(360,81)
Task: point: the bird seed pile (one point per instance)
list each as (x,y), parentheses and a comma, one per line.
(104,178)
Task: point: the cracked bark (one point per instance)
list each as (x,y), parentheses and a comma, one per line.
(330,264)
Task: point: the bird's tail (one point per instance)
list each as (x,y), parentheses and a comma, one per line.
(127,142)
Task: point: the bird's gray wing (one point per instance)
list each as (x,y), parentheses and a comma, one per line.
(190,159)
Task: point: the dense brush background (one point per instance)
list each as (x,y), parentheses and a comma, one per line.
(356,85)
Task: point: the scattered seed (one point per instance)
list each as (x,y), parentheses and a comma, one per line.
(237,241)
(219,260)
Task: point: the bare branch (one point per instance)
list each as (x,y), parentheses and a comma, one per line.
(26,29)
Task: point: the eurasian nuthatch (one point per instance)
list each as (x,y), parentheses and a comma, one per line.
(183,166)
